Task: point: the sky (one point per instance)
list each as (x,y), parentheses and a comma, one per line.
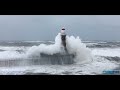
(46,27)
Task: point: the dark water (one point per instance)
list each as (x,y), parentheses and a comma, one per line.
(94,44)
(23,43)
(104,44)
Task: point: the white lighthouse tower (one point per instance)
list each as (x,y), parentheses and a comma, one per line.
(63,31)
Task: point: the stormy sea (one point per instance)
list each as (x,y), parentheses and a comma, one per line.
(47,58)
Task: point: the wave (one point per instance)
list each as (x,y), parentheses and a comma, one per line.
(96,67)
(115,52)
(13,48)
(7,55)
(74,46)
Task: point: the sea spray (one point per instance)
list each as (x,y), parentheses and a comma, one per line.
(74,46)
(47,49)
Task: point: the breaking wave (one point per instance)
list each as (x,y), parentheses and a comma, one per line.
(55,51)
(74,46)
(50,59)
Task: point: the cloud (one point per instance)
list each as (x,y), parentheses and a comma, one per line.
(44,27)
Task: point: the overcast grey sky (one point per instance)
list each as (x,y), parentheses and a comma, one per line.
(46,27)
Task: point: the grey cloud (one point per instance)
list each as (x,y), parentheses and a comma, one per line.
(45,27)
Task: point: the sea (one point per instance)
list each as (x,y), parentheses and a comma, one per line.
(13,61)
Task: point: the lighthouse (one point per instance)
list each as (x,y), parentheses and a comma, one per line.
(63,37)
(63,31)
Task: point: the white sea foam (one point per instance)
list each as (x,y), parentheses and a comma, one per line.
(106,52)
(8,55)
(74,46)
(93,68)
(13,48)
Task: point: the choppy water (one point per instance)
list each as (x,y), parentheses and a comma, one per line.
(106,56)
